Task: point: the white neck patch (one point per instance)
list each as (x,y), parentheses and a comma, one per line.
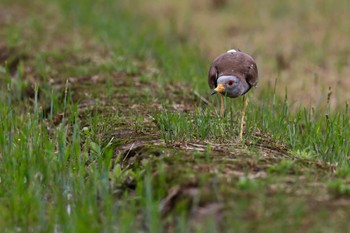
(231,51)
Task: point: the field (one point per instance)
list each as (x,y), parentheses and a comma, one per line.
(107,123)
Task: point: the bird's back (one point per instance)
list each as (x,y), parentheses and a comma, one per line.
(234,63)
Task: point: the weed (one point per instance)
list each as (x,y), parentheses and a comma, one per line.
(339,187)
(286,166)
(246,184)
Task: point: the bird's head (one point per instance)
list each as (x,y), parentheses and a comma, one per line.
(227,85)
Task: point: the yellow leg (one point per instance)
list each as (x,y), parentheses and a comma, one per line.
(222,107)
(243,115)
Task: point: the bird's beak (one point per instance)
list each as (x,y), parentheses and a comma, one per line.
(219,89)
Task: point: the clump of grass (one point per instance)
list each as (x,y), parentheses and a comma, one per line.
(303,154)
(339,187)
(200,125)
(285,166)
(343,171)
(246,184)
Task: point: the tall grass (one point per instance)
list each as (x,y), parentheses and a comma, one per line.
(58,177)
(321,133)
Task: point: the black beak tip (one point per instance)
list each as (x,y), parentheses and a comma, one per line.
(213,92)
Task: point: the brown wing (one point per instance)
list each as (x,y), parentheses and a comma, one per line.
(252,75)
(212,77)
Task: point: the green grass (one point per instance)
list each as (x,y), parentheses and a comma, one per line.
(321,133)
(106,134)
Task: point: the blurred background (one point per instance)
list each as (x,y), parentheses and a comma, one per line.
(303,45)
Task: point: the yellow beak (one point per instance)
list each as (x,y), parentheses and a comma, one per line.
(219,89)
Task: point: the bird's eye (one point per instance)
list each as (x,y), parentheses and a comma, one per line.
(230,83)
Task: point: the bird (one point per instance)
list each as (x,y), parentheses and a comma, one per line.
(233,74)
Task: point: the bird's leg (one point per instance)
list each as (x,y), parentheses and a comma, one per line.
(243,115)
(222,106)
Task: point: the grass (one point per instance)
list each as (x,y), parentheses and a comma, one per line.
(103,130)
(320,133)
